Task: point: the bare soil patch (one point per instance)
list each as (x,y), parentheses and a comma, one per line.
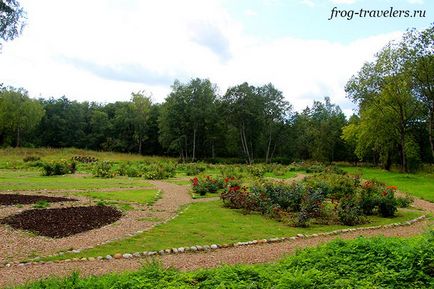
(15,199)
(63,222)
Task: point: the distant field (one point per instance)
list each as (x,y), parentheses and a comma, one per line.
(14,155)
(32,180)
(420,185)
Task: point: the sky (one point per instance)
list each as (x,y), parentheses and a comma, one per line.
(103,50)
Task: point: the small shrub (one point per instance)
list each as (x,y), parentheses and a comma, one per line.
(310,207)
(387,204)
(256,170)
(42,204)
(31,158)
(288,197)
(405,201)
(205,185)
(56,168)
(349,211)
(194,169)
(103,169)
(84,159)
(159,171)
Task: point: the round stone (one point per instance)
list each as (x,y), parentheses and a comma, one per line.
(117,256)
(108,257)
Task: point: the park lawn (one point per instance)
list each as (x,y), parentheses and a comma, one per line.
(142,196)
(15,180)
(420,185)
(208,223)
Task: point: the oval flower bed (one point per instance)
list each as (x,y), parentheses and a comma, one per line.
(63,222)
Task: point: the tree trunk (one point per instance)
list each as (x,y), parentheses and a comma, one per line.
(244,143)
(18,137)
(140,145)
(193,157)
(431,130)
(267,155)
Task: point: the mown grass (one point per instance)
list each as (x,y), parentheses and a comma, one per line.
(137,196)
(420,185)
(208,223)
(32,180)
(361,263)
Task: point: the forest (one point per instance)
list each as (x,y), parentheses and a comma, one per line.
(393,124)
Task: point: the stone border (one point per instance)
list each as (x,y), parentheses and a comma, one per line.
(204,248)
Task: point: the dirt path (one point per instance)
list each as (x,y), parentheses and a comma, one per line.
(259,253)
(17,245)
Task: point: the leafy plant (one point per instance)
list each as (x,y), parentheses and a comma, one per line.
(104,169)
(55,168)
(349,211)
(42,204)
(387,204)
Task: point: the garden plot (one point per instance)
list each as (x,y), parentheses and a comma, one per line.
(16,199)
(63,222)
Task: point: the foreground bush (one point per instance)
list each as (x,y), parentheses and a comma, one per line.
(362,263)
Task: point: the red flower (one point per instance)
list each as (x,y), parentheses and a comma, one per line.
(384,193)
(392,187)
(195,181)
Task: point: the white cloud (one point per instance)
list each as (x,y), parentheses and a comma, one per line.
(309,3)
(105,51)
(250,12)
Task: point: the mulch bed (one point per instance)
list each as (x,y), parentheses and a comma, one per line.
(15,199)
(63,222)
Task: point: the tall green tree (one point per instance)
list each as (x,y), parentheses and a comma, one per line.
(140,106)
(18,113)
(187,118)
(383,90)
(244,109)
(419,55)
(275,113)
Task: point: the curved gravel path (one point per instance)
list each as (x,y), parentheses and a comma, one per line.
(258,253)
(17,245)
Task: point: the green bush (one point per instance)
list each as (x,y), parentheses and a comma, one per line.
(256,170)
(193,169)
(288,197)
(31,158)
(103,169)
(405,201)
(55,168)
(387,204)
(202,186)
(349,211)
(159,171)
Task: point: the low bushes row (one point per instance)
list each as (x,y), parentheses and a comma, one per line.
(150,171)
(325,198)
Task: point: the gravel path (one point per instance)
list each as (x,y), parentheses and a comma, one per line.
(17,245)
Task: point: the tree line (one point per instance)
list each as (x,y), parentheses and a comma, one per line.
(394,122)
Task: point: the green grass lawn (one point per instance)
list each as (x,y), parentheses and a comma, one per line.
(147,196)
(208,223)
(32,180)
(420,185)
